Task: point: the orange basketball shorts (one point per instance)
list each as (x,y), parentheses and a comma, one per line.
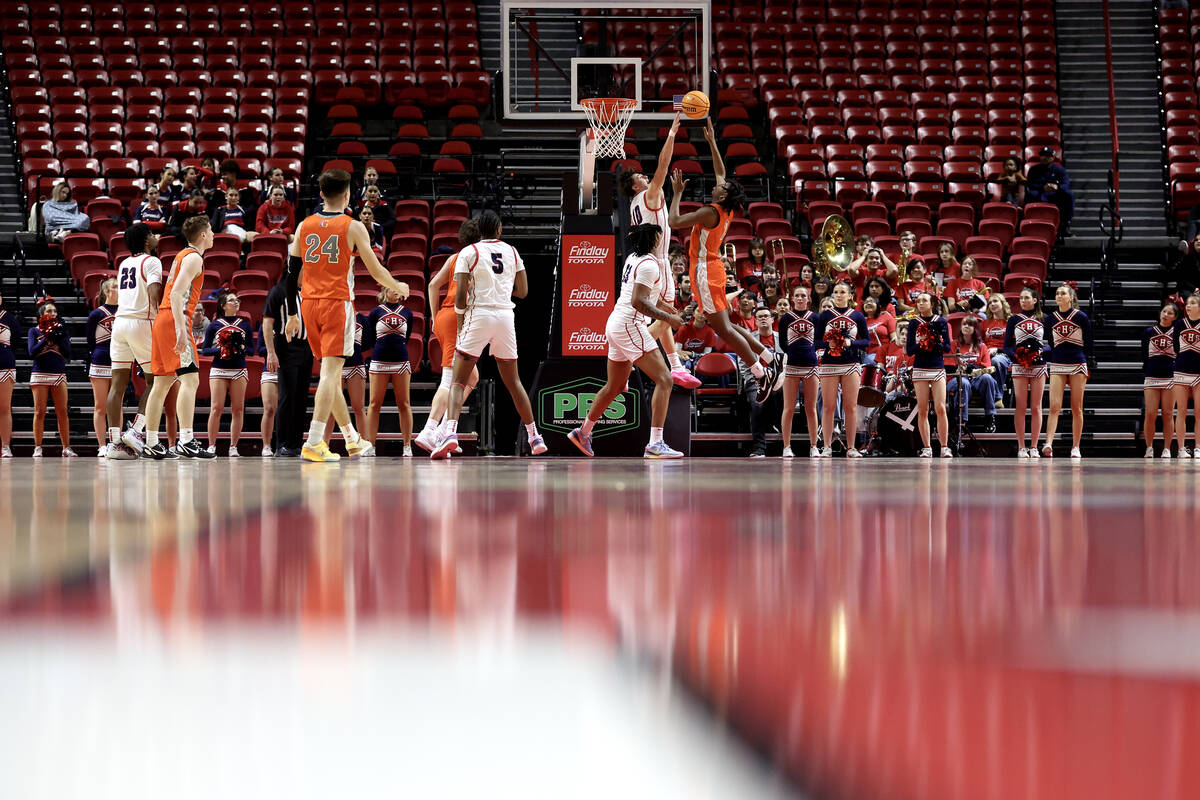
(708,286)
(445,327)
(329,324)
(163,358)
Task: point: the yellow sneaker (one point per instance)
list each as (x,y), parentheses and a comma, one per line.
(358,448)
(319,453)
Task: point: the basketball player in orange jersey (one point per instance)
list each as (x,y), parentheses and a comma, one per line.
(322,254)
(709,224)
(647,204)
(445,327)
(173,350)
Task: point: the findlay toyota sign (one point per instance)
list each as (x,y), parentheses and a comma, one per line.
(588,292)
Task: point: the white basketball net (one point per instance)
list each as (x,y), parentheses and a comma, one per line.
(609,118)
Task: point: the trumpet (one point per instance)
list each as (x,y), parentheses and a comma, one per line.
(777,252)
(834,248)
(902,267)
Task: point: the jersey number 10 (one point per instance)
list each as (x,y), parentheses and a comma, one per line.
(315,248)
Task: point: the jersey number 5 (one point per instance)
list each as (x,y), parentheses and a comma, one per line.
(497,263)
(315,248)
(128,278)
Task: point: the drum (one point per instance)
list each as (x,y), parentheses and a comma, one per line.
(870,392)
(897,422)
(905,384)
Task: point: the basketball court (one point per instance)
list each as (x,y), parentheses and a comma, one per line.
(708,628)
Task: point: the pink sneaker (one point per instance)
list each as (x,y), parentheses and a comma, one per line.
(683,378)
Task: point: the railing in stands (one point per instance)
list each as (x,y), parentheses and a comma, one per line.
(1114,177)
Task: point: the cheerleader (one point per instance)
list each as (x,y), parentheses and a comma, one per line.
(386,336)
(1158,365)
(99,332)
(50,346)
(1070,334)
(10,331)
(1187,371)
(150,212)
(354,376)
(797,329)
(843,332)
(227,340)
(268,385)
(928,341)
(232,218)
(1026,350)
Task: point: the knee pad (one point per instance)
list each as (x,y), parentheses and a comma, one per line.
(447,379)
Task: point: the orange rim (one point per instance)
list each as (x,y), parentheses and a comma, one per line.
(608,108)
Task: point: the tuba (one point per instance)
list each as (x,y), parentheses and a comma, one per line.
(833,250)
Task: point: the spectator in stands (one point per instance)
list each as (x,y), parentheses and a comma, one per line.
(695,336)
(979,374)
(1048,182)
(821,289)
(276,178)
(150,212)
(782,306)
(958,292)
(683,292)
(754,264)
(947,262)
(1012,183)
(908,247)
(862,244)
(881,328)
(370,178)
(195,206)
(199,323)
(679,263)
(879,289)
(992,330)
(373,199)
(189,184)
(772,293)
(744,315)
(207,172)
(769,409)
(366,216)
(806,276)
(61,214)
(276,215)
(168,188)
(906,295)
(231,218)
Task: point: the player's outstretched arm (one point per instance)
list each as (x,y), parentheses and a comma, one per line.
(705,215)
(439,280)
(654,194)
(718,163)
(641,302)
(360,243)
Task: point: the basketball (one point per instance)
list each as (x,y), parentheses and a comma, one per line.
(695,104)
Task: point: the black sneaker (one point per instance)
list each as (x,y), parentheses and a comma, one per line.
(193,449)
(157,452)
(766,384)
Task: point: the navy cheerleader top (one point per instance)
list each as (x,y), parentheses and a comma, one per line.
(849,322)
(10,331)
(797,332)
(386,333)
(212,345)
(929,359)
(1158,351)
(99,333)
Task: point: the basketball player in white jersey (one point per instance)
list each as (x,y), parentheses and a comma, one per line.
(648,204)
(630,342)
(139,290)
(488,275)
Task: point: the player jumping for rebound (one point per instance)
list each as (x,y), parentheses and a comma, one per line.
(630,342)
(709,224)
(487,275)
(648,205)
(323,254)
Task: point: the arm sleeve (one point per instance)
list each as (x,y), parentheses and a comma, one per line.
(861,339)
(210,334)
(36,341)
(260,220)
(368,342)
(1010,338)
(90,330)
(1064,180)
(1088,342)
(944,334)
(289,225)
(247,338)
(137,212)
(15,325)
(64,339)
(819,330)
(1145,348)
(910,342)
(985,358)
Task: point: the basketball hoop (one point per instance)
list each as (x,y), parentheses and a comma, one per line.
(609,117)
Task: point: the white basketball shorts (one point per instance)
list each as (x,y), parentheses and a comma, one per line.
(488,326)
(131,342)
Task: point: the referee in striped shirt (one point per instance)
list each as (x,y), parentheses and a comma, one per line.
(295,372)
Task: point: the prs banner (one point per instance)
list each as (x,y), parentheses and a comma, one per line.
(588,292)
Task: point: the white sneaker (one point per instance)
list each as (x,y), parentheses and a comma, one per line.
(827,452)
(1076,454)
(69,453)
(1149,452)
(267,452)
(814,452)
(37,452)
(926,452)
(102,452)
(1023,453)
(233,451)
(427,439)
(1185,453)
(408,451)
(212,448)
(947,453)
(1166,453)
(6,452)
(1033,453)
(852,453)
(787,453)
(368,451)
(1047,451)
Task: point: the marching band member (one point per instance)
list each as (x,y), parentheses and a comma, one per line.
(1070,333)
(227,340)
(10,331)
(843,332)
(99,334)
(928,342)
(1158,365)
(960,290)
(1187,370)
(1026,350)
(797,329)
(386,336)
(980,376)
(50,347)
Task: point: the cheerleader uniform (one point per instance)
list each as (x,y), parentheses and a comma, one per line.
(1020,327)
(1071,337)
(355,366)
(386,336)
(99,333)
(10,331)
(797,329)
(929,365)
(156,217)
(267,377)
(1158,357)
(1187,349)
(51,352)
(234,367)
(850,323)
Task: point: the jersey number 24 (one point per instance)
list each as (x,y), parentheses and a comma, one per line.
(316,249)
